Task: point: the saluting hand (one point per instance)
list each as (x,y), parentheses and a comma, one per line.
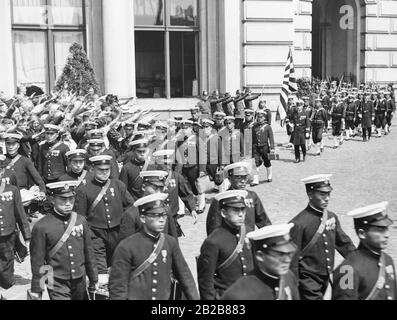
(194,216)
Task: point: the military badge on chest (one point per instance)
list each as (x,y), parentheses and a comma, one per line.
(6,180)
(55,153)
(249,203)
(112,191)
(6,196)
(164,255)
(330,224)
(77,231)
(390,271)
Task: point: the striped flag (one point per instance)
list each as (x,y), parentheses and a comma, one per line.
(289,86)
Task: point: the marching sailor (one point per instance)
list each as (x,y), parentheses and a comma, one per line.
(144,262)
(317,233)
(368,273)
(225,255)
(271,279)
(61,249)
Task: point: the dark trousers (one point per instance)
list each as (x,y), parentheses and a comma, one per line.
(261,157)
(104,242)
(380,120)
(297,153)
(365,130)
(389,118)
(312,286)
(191,174)
(74,289)
(7,244)
(317,134)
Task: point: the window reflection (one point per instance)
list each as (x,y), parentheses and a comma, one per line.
(30,58)
(149,12)
(183,12)
(29,11)
(150,64)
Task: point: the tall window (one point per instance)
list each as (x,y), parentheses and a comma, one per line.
(166,48)
(43,31)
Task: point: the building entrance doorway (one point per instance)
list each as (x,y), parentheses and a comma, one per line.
(336,40)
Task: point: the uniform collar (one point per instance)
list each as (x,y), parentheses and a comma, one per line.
(232,230)
(149,236)
(271,281)
(60,216)
(362,247)
(313,210)
(99,183)
(75,175)
(138,163)
(12,157)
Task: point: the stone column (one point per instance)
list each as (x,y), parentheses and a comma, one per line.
(119,47)
(230,45)
(7,81)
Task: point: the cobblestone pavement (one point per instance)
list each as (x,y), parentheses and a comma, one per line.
(363,173)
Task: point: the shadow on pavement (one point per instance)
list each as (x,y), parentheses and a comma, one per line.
(287,160)
(21,280)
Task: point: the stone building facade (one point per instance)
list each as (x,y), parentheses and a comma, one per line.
(166,52)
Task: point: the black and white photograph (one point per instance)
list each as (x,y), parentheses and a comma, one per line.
(220,151)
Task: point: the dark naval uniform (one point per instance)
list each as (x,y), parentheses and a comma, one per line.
(351,115)
(314,268)
(130,223)
(239,107)
(155,282)
(301,123)
(380,113)
(191,158)
(363,266)
(263,141)
(130,175)
(83,177)
(218,247)
(260,286)
(25,173)
(391,108)
(367,113)
(105,219)
(318,122)
(255,214)
(11,214)
(52,164)
(337,114)
(70,264)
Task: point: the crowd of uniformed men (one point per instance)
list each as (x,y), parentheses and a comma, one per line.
(109,183)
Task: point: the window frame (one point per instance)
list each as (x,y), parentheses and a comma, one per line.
(166,28)
(49,30)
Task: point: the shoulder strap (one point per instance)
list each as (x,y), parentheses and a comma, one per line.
(99,197)
(167,181)
(82,177)
(153,256)
(65,236)
(236,251)
(281,295)
(2,186)
(316,235)
(381,279)
(144,168)
(13,161)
